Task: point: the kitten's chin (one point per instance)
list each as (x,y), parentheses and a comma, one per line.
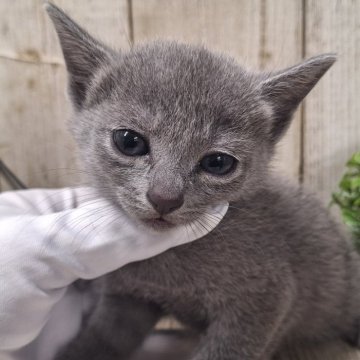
(158,224)
(148,223)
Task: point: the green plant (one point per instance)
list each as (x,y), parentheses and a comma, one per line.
(348,197)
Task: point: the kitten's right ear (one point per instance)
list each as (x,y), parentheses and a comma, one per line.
(82,53)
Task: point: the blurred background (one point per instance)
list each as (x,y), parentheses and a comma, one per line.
(261,34)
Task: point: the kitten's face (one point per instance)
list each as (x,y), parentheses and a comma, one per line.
(167,129)
(178,120)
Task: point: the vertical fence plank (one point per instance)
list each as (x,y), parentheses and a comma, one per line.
(332,123)
(282,46)
(263,34)
(223,25)
(34,140)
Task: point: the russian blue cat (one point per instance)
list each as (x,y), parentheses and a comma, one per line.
(167,129)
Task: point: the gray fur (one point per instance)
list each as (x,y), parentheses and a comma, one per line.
(275,271)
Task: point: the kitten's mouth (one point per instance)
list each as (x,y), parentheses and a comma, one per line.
(158,223)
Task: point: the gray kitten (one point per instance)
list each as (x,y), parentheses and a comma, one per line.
(168,129)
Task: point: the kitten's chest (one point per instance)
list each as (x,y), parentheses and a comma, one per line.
(188,272)
(150,279)
(193,280)
(177,290)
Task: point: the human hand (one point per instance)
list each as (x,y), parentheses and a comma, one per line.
(50,238)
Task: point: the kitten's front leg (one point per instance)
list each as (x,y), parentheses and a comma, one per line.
(252,332)
(117,327)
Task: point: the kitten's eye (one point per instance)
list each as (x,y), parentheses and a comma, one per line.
(130,143)
(218,163)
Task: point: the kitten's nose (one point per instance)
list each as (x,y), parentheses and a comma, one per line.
(164,204)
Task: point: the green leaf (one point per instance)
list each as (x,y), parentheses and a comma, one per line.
(348,197)
(355,160)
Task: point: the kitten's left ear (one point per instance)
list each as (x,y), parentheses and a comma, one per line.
(284,90)
(83,54)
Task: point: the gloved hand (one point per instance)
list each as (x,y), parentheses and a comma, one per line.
(49,239)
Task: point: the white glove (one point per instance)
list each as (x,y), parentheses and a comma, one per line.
(49,239)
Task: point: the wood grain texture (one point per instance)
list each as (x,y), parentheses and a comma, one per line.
(282,46)
(34,141)
(261,34)
(331,117)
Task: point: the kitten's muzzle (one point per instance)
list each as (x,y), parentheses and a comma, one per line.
(164,204)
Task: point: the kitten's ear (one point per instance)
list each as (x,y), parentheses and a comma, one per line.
(284,90)
(83,54)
